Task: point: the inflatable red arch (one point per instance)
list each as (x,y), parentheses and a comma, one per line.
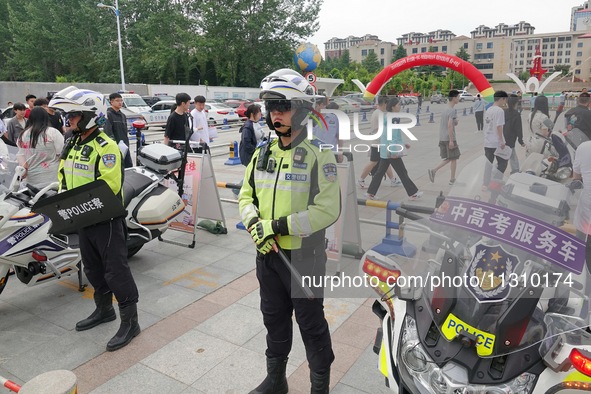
(431,59)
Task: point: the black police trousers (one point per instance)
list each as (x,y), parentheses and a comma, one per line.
(281,296)
(103,247)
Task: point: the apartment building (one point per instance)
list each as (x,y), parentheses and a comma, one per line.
(494,51)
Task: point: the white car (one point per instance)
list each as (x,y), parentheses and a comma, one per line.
(465,96)
(217,112)
(158,114)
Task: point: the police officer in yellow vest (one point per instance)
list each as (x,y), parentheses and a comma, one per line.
(88,156)
(290,196)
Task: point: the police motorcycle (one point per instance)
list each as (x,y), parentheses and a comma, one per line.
(34,255)
(499,305)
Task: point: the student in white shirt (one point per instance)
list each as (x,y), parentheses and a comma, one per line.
(494,120)
(200,127)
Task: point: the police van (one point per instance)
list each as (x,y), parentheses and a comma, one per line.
(134,102)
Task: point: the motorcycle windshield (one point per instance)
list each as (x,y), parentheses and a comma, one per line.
(497,266)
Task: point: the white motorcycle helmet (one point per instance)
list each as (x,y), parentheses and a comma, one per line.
(288,89)
(86,102)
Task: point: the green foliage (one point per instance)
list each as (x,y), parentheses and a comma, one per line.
(187,42)
(399,53)
(563,68)
(371,63)
(462,54)
(524,76)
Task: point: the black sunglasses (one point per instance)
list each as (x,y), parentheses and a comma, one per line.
(71,115)
(278,105)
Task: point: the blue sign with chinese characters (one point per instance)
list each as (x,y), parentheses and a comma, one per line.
(524,232)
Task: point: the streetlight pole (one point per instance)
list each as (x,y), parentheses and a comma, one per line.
(116,11)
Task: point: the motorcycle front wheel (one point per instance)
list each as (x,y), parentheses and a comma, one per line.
(4,281)
(131,251)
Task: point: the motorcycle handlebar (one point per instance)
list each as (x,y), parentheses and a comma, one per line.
(41,193)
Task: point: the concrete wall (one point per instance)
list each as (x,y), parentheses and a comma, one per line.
(16,91)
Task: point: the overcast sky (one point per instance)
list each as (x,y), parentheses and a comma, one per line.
(389,19)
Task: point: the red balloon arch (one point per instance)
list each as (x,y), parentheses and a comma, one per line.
(431,59)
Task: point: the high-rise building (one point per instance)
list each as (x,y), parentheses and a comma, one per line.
(580,17)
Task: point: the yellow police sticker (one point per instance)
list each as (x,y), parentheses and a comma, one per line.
(452,327)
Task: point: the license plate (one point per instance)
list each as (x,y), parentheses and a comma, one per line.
(454,326)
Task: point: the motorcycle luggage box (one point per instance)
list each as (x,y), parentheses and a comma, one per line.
(536,197)
(158,208)
(160,158)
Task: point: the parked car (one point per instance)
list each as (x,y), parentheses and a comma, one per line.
(465,96)
(158,114)
(217,112)
(6,114)
(364,105)
(132,117)
(151,100)
(134,102)
(347,105)
(406,100)
(438,98)
(239,106)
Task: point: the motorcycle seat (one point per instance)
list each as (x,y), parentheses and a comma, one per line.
(133,185)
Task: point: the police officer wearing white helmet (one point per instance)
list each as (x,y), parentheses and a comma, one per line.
(289,197)
(91,155)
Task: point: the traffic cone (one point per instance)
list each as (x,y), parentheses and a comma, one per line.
(464,114)
(364,119)
(418,120)
(471,110)
(432,118)
(427,109)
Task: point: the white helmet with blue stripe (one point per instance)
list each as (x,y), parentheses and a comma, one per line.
(88,103)
(286,84)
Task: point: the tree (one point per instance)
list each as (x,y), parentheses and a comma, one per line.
(371,62)
(462,54)
(345,59)
(244,44)
(399,53)
(563,68)
(524,76)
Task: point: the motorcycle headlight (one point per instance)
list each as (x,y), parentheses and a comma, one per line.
(564,173)
(414,359)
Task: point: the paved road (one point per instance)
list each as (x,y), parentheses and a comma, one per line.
(202,330)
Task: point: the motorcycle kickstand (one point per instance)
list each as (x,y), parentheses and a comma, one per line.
(81,286)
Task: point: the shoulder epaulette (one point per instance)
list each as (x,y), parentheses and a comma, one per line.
(101,141)
(316,142)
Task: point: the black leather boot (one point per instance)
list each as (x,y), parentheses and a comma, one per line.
(128,330)
(276,381)
(103,313)
(320,382)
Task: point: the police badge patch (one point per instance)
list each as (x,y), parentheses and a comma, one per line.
(330,172)
(489,273)
(109,160)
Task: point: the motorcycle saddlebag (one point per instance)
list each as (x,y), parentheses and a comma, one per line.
(158,208)
(536,197)
(160,158)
